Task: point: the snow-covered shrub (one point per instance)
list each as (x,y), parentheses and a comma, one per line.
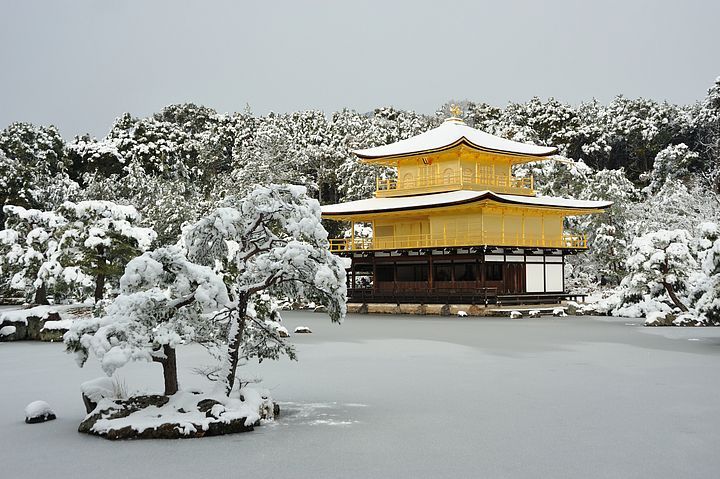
(707,288)
(672,163)
(29,251)
(101,237)
(660,264)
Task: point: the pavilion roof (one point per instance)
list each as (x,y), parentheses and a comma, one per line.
(456,198)
(451,133)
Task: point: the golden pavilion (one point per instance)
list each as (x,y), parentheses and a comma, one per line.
(456,226)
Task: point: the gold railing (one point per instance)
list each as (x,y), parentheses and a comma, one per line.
(567,240)
(431,183)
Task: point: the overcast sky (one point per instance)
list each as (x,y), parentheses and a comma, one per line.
(79,64)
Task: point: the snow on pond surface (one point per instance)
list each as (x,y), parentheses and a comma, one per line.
(384,396)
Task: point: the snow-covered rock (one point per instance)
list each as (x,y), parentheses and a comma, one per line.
(282,332)
(515,315)
(462,314)
(659,318)
(687,319)
(535,313)
(184,414)
(8,333)
(302,330)
(21,315)
(54,330)
(38,411)
(96,390)
(559,312)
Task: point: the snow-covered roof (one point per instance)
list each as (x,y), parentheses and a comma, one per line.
(453,198)
(451,133)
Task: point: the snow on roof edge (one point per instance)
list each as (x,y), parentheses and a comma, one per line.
(452,198)
(447,136)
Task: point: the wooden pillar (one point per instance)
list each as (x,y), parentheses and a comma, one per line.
(430,272)
(352,235)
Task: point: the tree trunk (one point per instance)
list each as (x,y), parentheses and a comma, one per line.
(41,295)
(100,277)
(99,287)
(671,292)
(234,345)
(169,364)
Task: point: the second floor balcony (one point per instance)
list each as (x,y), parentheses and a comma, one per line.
(512,185)
(567,240)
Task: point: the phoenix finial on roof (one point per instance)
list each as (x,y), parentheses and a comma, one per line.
(455,110)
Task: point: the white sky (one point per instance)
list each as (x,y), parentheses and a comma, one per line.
(79,64)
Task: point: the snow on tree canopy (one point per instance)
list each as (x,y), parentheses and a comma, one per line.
(98,218)
(278,242)
(271,241)
(153,310)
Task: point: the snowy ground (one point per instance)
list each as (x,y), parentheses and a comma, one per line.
(412,397)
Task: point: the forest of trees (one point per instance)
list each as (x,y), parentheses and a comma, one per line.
(659,163)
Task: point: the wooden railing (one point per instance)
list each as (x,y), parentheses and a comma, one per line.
(567,240)
(497,183)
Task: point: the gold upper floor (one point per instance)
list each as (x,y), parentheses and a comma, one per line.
(459,168)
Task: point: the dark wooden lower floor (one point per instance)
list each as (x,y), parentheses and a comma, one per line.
(475,277)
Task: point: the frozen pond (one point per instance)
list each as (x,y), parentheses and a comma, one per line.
(384,396)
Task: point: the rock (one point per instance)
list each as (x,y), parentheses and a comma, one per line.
(302,330)
(515,315)
(96,390)
(416,309)
(20,331)
(38,411)
(685,319)
(572,308)
(232,427)
(659,318)
(8,333)
(34,325)
(206,406)
(282,332)
(476,310)
(559,312)
(123,408)
(462,314)
(445,310)
(535,313)
(52,335)
(90,405)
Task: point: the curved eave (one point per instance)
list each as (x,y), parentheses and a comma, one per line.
(484,197)
(369,158)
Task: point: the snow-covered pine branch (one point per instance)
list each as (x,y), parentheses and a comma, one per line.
(272,241)
(217,291)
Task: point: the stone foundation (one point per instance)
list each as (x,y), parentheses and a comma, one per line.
(446,309)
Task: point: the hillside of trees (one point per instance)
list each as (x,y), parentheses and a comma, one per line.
(659,163)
